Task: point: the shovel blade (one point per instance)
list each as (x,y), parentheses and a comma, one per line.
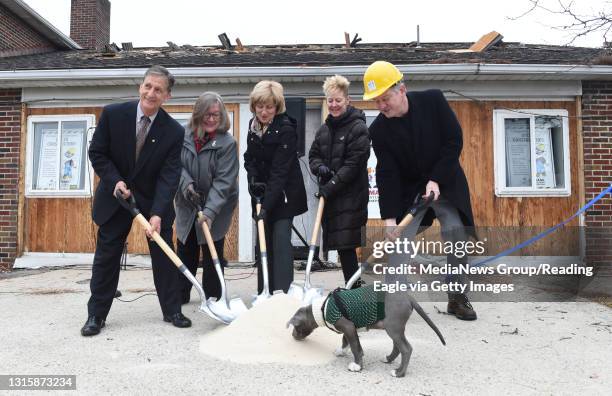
(219,309)
(237,306)
(312,294)
(259,298)
(296,290)
(206,309)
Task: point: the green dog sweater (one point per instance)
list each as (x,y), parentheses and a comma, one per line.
(363,305)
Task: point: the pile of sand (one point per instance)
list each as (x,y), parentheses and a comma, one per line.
(261,336)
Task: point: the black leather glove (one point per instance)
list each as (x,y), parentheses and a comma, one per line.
(261,216)
(323,191)
(323,170)
(324,173)
(193,196)
(204,219)
(257,189)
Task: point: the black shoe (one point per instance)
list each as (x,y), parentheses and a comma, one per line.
(459,305)
(92,327)
(178,320)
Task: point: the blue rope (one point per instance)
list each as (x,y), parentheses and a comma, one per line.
(547,232)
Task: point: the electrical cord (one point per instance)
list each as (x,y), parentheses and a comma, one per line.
(137,298)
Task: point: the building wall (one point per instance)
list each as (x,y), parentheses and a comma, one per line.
(18,38)
(10,145)
(597,138)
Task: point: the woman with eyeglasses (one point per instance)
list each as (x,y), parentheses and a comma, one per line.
(274,175)
(209,180)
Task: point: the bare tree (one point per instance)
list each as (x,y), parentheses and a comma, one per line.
(578,24)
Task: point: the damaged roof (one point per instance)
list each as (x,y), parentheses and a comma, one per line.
(307,55)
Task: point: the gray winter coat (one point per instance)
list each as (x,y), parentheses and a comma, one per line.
(214,172)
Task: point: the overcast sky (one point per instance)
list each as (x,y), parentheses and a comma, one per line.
(154,22)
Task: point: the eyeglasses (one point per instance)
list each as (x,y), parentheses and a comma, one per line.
(214,116)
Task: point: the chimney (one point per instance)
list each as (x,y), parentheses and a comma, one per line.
(90,23)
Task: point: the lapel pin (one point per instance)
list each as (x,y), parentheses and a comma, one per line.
(153,140)
(214,143)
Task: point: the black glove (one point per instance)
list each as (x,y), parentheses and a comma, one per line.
(261,216)
(324,173)
(193,196)
(324,191)
(323,170)
(257,189)
(204,219)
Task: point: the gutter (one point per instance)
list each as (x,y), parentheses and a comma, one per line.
(518,71)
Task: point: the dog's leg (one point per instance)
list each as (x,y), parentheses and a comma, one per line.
(350,333)
(342,351)
(399,340)
(391,357)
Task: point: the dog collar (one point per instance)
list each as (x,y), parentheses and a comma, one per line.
(317,311)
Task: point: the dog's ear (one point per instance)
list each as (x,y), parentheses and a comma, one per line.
(294,321)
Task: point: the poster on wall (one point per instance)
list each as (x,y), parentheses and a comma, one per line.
(518,152)
(47,167)
(373,209)
(545,166)
(71,157)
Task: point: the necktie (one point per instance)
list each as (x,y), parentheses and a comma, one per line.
(141,134)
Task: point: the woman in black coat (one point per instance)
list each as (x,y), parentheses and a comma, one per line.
(339,156)
(274,173)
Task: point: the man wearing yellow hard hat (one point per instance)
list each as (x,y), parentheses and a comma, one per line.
(417,141)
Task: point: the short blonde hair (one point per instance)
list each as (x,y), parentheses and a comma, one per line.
(267,91)
(336,82)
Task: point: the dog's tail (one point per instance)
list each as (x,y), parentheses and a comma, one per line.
(427,319)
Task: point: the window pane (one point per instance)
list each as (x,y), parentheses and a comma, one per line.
(546,161)
(45,167)
(72,170)
(518,152)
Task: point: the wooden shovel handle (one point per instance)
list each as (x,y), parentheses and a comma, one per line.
(261,231)
(208,237)
(317,224)
(159,240)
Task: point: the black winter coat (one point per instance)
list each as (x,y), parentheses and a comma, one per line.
(272,159)
(407,161)
(343,145)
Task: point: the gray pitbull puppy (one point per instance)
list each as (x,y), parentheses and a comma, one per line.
(397,310)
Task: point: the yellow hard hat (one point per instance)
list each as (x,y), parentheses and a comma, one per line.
(379,77)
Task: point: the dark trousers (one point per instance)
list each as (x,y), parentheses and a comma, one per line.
(348,261)
(280,256)
(106,266)
(189,253)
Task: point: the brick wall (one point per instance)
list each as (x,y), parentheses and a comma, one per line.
(597,138)
(90,23)
(10,132)
(18,38)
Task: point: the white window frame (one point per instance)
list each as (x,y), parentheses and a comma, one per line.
(87,190)
(499,158)
(178,117)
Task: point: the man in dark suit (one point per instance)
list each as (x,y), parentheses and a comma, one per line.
(417,141)
(135,150)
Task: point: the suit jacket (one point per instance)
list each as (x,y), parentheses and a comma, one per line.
(421,146)
(153,179)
